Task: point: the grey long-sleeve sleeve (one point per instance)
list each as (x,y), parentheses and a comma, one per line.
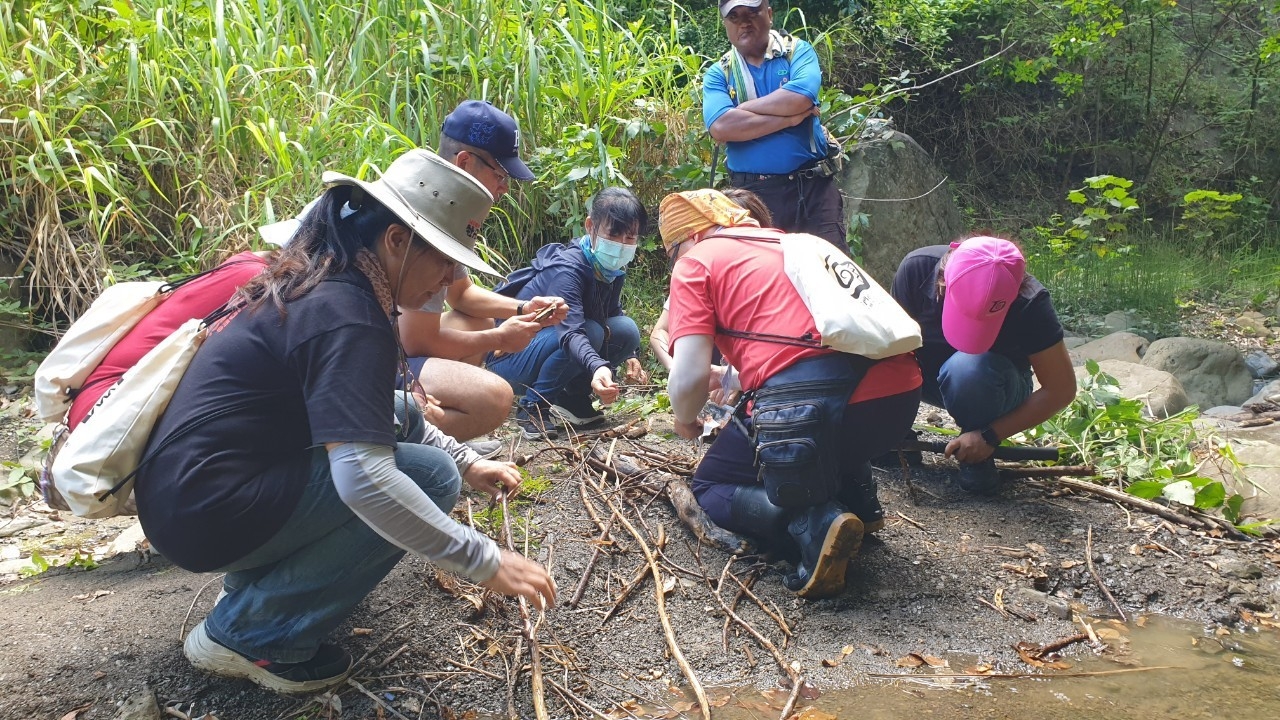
(368,481)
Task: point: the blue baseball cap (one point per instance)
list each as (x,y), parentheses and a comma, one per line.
(481,125)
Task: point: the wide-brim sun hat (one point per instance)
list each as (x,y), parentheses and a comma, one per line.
(440,202)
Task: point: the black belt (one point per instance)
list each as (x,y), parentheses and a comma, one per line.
(808,171)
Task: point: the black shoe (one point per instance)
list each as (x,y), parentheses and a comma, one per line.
(829,537)
(980,478)
(861,495)
(536,422)
(753,515)
(577,410)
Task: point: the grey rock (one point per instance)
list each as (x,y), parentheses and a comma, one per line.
(1034,599)
(892,165)
(1239,569)
(1261,364)
(17,525)
(1159,390)
(1212,373)
(1253,324)
(1121,320)
(1222,411)
(1269,395)
(1074,341)
(1125,346)
(140,706)
(1258,450)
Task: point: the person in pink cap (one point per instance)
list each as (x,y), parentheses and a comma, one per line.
(987,326)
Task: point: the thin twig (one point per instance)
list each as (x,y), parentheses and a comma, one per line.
(1088,556)
(473,669)
(529,628)
(667,630)
(1016,676)
(182,629)
(380,702)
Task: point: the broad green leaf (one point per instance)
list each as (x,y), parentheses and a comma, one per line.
(1145,489)
(1210,496)
(1180,492)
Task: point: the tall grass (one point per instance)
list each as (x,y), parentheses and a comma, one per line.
(156,135)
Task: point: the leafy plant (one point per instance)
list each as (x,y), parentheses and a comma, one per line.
(1209,215)
(1106,210)
(1148,457)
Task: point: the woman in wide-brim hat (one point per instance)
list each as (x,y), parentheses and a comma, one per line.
(278,461)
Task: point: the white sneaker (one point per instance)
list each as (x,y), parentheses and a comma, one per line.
(486,449)
(327,668)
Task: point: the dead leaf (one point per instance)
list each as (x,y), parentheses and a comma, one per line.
(1141,621)
(912,660)
(720,702)
(1036,548)
(98,674)
(74,713)
(809,692)
(361,632)
(777,697)
(980,669)
(669,585)
(935,661)
(682,706)
(1068,564)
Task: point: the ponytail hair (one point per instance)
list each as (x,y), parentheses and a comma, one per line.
(343,221)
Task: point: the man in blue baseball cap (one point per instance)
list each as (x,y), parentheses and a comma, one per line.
(446,348)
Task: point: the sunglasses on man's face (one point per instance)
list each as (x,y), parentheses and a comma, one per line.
(501,173)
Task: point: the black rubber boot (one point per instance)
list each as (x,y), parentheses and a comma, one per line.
(829,536)
(861,495)
(753,515)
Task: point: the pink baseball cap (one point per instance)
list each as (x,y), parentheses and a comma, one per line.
(982,279)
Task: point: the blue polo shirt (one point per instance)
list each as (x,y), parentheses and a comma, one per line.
(785,150)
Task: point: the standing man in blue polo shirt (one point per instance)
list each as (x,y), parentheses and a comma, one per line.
(761,100)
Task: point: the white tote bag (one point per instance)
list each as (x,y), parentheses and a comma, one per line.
(850,309)
(116,311)
(107,446)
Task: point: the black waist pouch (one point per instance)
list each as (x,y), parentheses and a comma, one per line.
(796,421)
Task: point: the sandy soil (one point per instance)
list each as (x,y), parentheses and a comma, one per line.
(77,643)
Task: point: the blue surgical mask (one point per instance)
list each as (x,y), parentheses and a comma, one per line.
(613,255)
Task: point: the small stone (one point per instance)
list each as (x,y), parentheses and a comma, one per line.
(1239,569)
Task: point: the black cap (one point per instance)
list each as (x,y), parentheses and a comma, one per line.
(481,125)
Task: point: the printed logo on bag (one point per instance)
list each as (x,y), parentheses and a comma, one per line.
(997,306)
(846,274)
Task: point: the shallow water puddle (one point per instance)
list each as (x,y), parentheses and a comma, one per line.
(1155,668)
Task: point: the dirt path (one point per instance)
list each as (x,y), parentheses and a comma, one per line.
(436,647)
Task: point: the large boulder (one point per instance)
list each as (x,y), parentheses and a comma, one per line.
(1258,450)
(893,181)
(1124,346)
(1161,392)
(1212,373)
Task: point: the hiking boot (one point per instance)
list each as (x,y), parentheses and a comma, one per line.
(486,449)
(829,537)
(980,478)
(861,495)
(752,514)
(577,410)
(327,668)
(536,421)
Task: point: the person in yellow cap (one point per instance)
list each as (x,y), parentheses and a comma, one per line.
(795,471)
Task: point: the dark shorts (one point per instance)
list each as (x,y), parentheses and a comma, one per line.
(415,366)
(800,203)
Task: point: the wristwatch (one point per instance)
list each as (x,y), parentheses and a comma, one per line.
(520,309)
(990,436)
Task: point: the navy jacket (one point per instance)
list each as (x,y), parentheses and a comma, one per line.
(563,270)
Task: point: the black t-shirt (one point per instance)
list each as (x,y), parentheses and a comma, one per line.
(1031,325)
(260,393)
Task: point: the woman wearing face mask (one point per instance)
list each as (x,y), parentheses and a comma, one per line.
(569,362)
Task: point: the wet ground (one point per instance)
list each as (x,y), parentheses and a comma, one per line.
(950,586)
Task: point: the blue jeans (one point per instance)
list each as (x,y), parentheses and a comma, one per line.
(544,368)
(977,389)
(869,428)
(287,595)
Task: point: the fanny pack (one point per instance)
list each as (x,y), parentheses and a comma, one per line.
(796,421)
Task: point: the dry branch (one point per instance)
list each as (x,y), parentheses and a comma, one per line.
(667,630)
(1088,557)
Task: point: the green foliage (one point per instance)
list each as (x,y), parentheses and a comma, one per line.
(1149,458)
(1209,214)
(1106,209)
